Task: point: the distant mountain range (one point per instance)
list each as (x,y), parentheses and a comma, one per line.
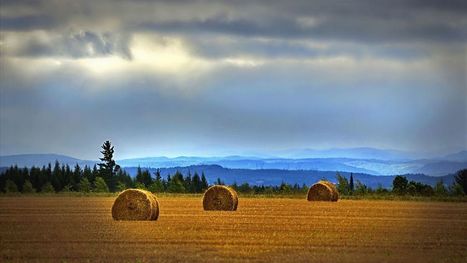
(38,160)
(277,176)
(351,153)
(356,160)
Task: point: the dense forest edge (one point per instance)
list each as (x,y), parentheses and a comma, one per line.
(108,177)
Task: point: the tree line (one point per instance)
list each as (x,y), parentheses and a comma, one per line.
(402,186)
(61,178)
(109,177)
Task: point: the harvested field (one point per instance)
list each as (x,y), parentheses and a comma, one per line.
(282,230)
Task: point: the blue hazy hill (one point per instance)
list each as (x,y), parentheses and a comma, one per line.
(277,176)
(434,167)
(38,160)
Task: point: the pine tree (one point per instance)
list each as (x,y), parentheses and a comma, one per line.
(87,173)
(179,177)
(219,182)
(175,186)
(351,185)
(204,182)
(94,174)
(35,177)
(108,167)
(157,186)
(197,183)
(188,183)
(461,179)
(147,180)
(56,176)
(342,184)
(76,178)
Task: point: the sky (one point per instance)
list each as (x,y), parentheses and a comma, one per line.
(241,77)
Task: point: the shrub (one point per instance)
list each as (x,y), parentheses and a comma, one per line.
(10,187)
(27,187)
(48,188)
(400,184)
(100,186)
(84,185)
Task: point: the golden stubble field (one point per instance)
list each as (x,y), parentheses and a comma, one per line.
(69,229)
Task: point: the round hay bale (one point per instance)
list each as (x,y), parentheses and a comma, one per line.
(220,197)
(135,204)
(333,187)
(320,192)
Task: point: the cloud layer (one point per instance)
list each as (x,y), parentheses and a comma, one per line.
(204,77)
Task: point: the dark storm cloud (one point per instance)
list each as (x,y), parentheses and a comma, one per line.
(26,23)
(361,21)
(399,29)
(356,29)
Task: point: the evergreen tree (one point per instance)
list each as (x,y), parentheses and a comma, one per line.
(76,178)
(87,173)
(157,186)
(108,167)
(204,182)
(56,175)
(147,178)
(100,186)
(285,188)
(342,184)
(351,185)
(179,177)
(461,179)
(244,188)
(440,189)
(34,176)
(143,177)
(234,186)
(400,185)
(123,178)
(175,186)
(68,175)
(94,174)
(361,189)
(219,182)
(188,184)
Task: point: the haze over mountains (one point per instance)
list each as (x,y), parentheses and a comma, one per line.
(356,160)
